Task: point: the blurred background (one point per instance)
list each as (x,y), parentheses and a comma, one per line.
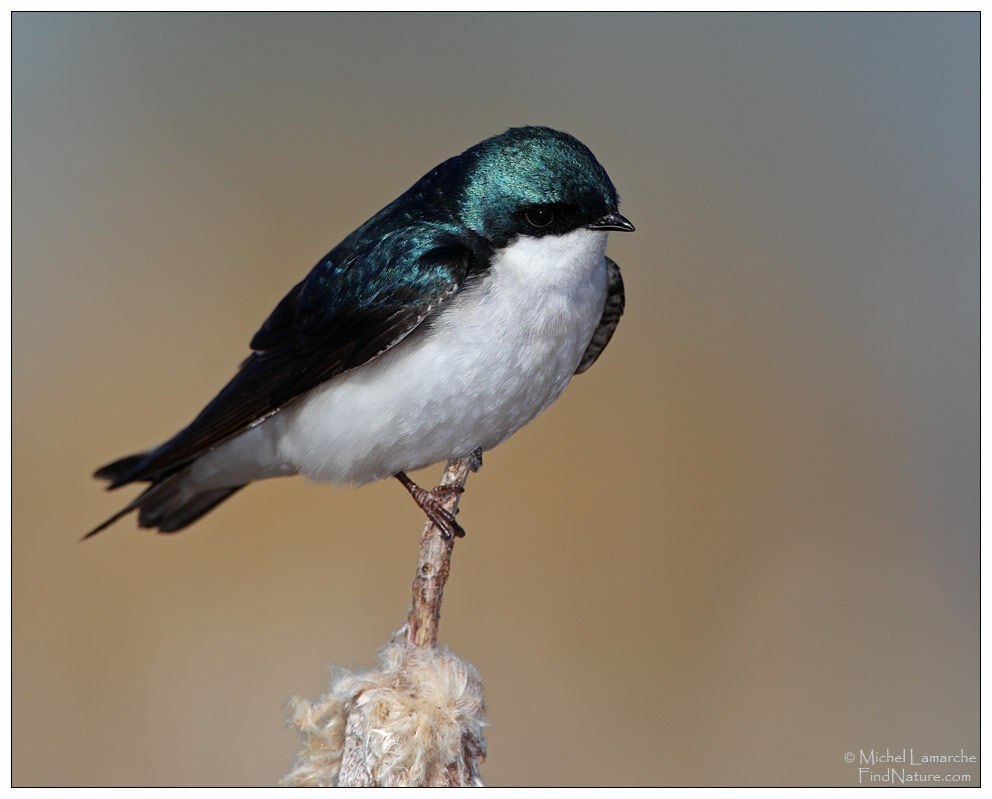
(742,545)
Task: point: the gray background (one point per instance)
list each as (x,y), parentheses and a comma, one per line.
(740,546)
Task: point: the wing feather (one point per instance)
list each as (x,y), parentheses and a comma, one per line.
(336,319)
(612,311)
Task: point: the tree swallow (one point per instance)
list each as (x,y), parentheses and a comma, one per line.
(436,330)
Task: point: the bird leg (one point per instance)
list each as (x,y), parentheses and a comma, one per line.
(430,502)
(475,460)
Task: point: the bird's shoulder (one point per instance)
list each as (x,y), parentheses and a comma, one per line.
(374,275)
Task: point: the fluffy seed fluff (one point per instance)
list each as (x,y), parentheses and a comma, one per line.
(417,720)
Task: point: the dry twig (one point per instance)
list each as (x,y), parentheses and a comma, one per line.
(433,565)
(418,719)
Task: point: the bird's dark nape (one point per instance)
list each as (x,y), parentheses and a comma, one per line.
(166,504)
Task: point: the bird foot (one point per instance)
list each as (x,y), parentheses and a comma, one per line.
(431,502)
(475,460)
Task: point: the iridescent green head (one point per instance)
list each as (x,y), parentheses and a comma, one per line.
(532,181)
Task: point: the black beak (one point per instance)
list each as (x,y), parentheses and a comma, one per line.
(614,220)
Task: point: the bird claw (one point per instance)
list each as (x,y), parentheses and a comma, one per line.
(432,504)
(443,492)
(475,460)
(440,516)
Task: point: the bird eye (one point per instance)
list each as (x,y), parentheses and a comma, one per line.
(539,217)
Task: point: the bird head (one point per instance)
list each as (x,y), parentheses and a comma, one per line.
(532,181)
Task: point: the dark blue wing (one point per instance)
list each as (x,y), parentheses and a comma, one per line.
(353,306)
(612,311)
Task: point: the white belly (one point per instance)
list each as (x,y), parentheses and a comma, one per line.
(499,353)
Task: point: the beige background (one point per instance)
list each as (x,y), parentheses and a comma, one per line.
(744,544)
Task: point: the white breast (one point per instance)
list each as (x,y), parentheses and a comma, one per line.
(500,352)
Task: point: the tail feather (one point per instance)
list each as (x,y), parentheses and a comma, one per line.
(116,470)
(120,514)
(168,504)
(169,517)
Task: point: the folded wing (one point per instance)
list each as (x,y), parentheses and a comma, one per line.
(612,311)
(352,307)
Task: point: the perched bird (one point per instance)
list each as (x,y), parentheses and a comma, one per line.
(436,330)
